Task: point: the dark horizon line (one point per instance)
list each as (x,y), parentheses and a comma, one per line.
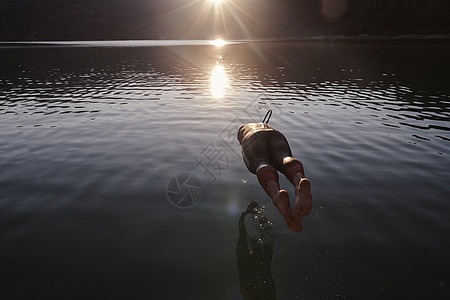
(361,37)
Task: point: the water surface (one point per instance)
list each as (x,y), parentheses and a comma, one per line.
(91,137)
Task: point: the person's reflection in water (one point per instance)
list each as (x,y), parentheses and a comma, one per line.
(254,266)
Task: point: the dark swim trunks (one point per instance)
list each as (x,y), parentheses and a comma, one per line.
(262,144)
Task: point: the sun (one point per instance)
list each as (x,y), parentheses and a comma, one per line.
(216,1)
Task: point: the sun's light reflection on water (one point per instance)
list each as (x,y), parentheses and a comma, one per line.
(219,81)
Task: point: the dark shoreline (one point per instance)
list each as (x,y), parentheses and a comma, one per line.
(403,39)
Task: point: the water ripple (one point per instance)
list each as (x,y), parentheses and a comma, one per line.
(108,128)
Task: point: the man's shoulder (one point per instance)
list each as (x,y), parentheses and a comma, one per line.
(256,125)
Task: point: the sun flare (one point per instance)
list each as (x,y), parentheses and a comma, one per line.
(218,43)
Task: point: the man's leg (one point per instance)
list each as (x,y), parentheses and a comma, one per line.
(293,170)
(268,179)
(256,157)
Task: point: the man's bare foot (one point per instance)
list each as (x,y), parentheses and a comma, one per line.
(281,201)
(303,199)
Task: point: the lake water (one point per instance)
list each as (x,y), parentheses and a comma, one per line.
(94,135)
